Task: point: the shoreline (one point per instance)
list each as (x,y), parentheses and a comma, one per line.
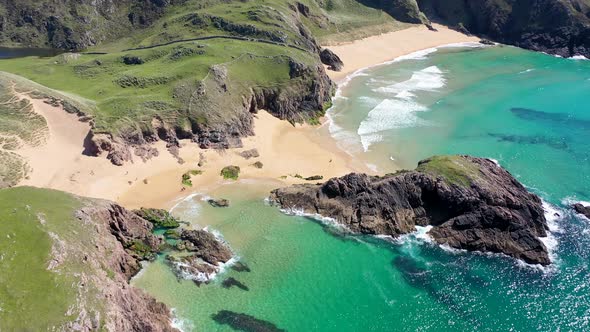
(380,49)
(286,151)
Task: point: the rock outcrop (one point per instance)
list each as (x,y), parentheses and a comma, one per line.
(206,255)
(331,60)
(122,240)
(582,209)
(472,204)
(560,27)
(74,25)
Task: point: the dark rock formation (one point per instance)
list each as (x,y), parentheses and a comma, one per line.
(472,204)
(206,246)
(331,60)
(314,178)
(221,202)
(559,27)
(258,164)
(206,254)
(243,322)
(581,209)
(233,282)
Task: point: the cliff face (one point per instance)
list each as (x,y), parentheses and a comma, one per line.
(122,240)
(560,27)
(68,261)
(471,203)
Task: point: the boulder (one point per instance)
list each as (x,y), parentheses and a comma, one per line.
(582,209)
(331,60)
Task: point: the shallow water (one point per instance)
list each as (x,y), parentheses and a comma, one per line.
(529,111)
(20,52)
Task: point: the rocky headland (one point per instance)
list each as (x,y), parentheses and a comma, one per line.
(471,203)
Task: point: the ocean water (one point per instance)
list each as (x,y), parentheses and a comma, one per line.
(529,111)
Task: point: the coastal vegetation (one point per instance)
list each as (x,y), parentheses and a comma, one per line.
(52,243)
(186,177)
(230,172)
(454,169)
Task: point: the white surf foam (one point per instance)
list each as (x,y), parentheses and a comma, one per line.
(389,114)
(346,137)
(527,71)
(578,57)
(324,220)
(183,325)
(427,79)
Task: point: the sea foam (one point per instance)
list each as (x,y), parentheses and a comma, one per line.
(427,79)
(389,114)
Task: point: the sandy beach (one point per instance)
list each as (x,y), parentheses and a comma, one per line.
(386,47)
(286,152)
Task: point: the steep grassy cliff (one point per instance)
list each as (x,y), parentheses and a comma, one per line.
(66,262)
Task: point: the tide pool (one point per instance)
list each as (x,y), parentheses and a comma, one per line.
(529,111)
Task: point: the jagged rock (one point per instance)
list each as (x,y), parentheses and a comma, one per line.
(258,164)
(206,246)
(551,26)
(129,308)
(472,204)
(207,254)
(331,60)
(486,42)
(158,217)
(222,202)
(252,153)
(581,209)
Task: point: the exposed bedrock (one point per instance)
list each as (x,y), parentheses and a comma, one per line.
(220,113)
(123,240)
(472,203)
(559,27)
(582,209)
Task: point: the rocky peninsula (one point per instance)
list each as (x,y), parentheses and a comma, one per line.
(471,203)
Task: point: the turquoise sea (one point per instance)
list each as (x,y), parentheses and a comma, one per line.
(529,111)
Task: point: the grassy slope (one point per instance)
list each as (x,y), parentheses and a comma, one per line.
(455,169)
(129,95)
(29,292)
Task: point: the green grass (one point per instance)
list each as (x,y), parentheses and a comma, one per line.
(230,172)
(454,169)
(127,97)
(186,177)
(159,218)
(32,297)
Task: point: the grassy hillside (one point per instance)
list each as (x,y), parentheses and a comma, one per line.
(66,261)
(32,222)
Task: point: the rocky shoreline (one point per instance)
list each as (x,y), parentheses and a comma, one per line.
(125,238)
(472,204)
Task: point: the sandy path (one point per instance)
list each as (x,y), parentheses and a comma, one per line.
(386,47)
